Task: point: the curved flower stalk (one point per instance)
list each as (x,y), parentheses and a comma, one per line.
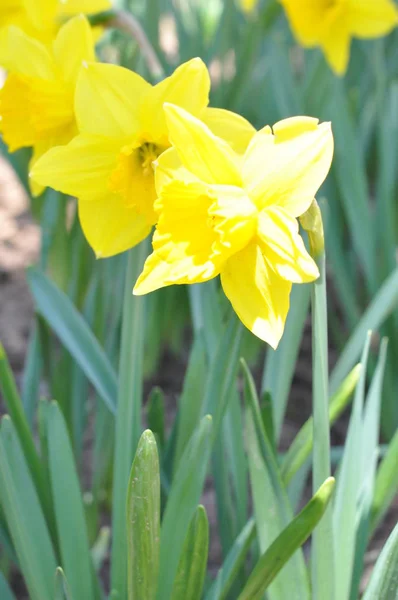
(36,101)
(331,24)
(122,131)
(41,19)
(221,213)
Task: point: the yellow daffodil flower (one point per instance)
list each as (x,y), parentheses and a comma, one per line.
(41,19)
(331,24)
(108,166)
(36,101)
(233,215)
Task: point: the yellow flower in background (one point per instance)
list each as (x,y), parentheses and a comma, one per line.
(233,215)
(42,18)
(109,165)
(248,6)
(37,99)
(331,24)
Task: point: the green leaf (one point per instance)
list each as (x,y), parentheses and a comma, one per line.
(382,304)
(62,591)
(272,510)
(156,415)
(348,490)
(5,590)
(191,570)
(300,448)
(386,485)
(32,376)
(15,408)
(286,544)
(233,563)
(74,333)
(129,412)
(383,583)
(25,517)
(69,509)
(183,498)
(143,520)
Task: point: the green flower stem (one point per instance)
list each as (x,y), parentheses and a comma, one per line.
(128,416)
(322,546)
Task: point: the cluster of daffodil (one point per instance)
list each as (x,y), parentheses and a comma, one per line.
(224,198)
(331,24)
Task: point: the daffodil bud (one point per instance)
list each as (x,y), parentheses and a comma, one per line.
(311,222)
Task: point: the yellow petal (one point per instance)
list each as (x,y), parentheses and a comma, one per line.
(183,240)
(41,13)
(72,46)
(168,167)
(258,295)
(371,19)
(110,226)
(306,19)
(336,43)
(16,46)
(290,128)
(187,87)
(206,156)
(288,173)
(283,246)
(39,149)
(107,100)
(88,7)
(229,126)
(81,169)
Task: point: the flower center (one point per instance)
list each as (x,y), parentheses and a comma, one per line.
(133,178)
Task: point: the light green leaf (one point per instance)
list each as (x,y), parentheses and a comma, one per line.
(386,485)
(74,333)
(62,591)
(191,570)
(233,563)
(300,448)
(25,517)
(291,538)
(143,521)
(69,510)
(383,583)
(184,496)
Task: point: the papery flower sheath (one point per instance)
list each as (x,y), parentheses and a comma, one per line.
(223,214)
(41,19)
(36,101)
(331,24)
(109,165)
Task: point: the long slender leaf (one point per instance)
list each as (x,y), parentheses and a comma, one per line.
(25,517)
(69,510)
(291,538)
(73,331)
(128,419)
(300,448)
(233,563)
(383,583)
(143,520)
(62,591)
(183,498)
(5,590)
(386,485)
(191,570)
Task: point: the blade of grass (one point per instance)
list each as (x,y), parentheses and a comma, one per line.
(291,538)
(386,485)
(31,376)
(383,583)
(62,591)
